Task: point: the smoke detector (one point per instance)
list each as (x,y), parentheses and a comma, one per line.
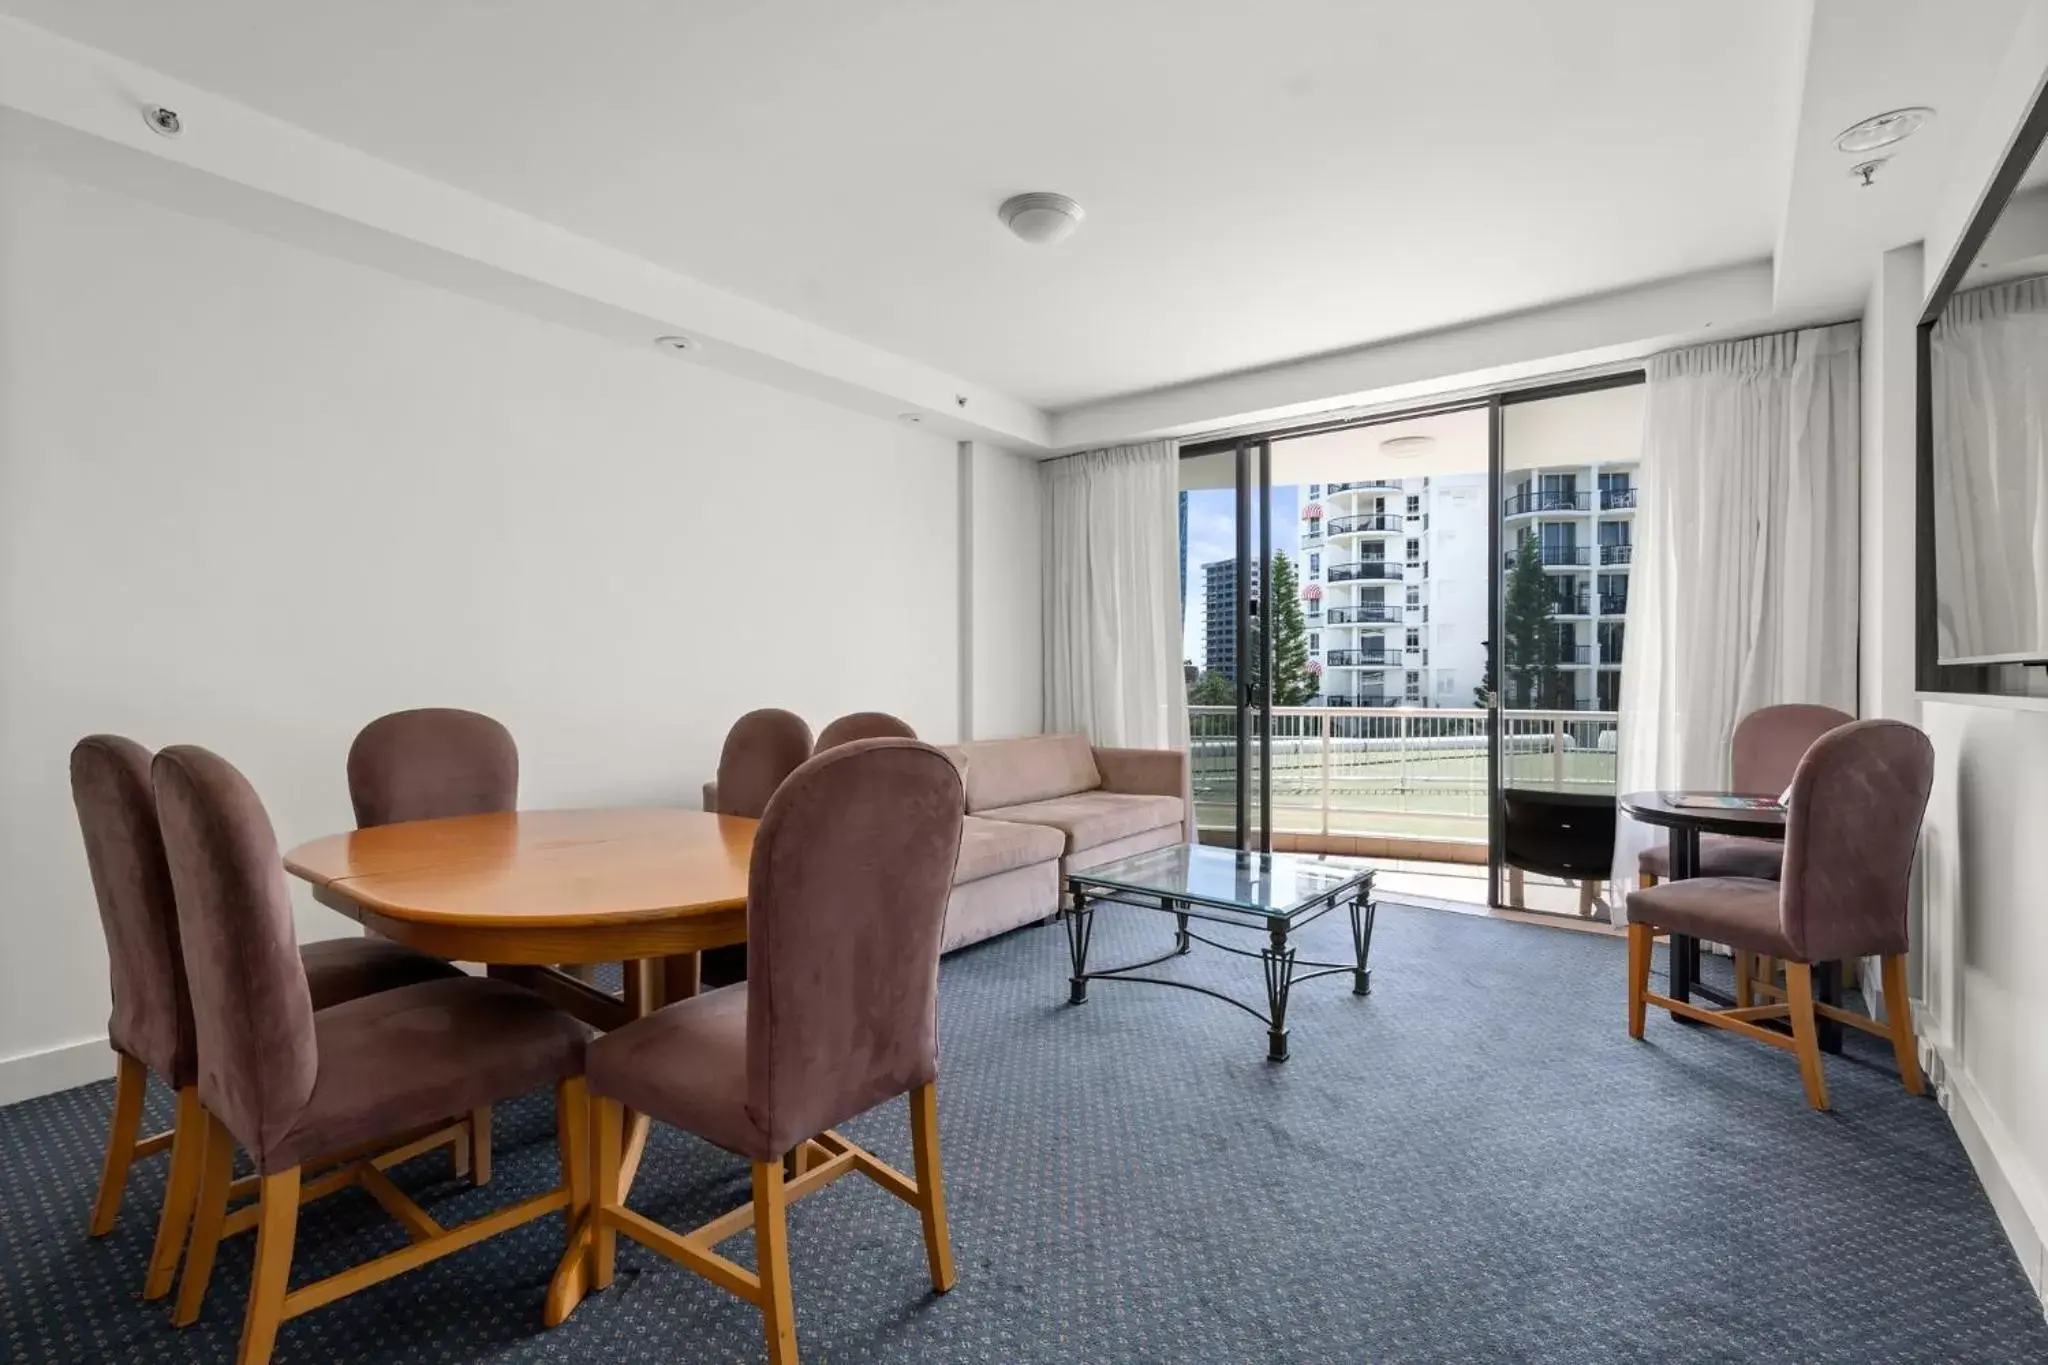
(1040,218)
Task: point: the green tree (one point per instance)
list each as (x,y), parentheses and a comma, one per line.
(1212,689)
(1293,684)
(1529,655)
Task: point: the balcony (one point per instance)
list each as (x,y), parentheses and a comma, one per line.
(1575,656)
(1379,523)
(1536,503)
(1557,556)
(1617,554)
(1361,658)
(1397,771)
(1387,485)
(1573,604)
(1365,570)
(1614,604)
(1618,499)
(1365,613)
(1312,534)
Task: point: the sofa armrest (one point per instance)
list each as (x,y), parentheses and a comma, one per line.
(1143,772)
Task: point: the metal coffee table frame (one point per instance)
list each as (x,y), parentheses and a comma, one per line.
(1283,969)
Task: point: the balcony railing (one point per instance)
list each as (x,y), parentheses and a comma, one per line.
(1360,658)
(1312,532)
(1575,654)
(1614,604)
(1365,613)
(1388,523)
(1401,770)
(1362,570)
(1617,499)
(1573,604)
(1536,501)
(1556,556)
(1617,554)
(1390,485)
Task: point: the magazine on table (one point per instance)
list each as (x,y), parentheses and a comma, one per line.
(1725,801)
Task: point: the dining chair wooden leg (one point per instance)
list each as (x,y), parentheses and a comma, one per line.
(931,1185)
(181,1191)
(771,1260)
(608,1123)
(216,1173)
(277,1226)
(1805,1032)
(480,1146)
(1642,939)
(1645,880)
(1898,1014)
(1745,965)
(572,1144)
(131,1084)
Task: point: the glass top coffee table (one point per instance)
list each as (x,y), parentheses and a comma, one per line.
(1273,893)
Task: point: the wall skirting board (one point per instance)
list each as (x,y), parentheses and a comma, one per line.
(54,1069)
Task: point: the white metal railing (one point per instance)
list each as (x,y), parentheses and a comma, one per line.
(1417,772)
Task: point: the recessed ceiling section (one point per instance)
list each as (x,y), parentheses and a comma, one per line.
(1262,182)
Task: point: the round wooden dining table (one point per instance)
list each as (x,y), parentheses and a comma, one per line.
(527,892)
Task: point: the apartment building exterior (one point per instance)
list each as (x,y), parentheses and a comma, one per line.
(1395,585)
(1219,615)
(1582,518)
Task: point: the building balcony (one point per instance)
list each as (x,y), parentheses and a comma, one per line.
(1312,534)
(1364,614)
(1377,524)
(1614,604)
(1364,570)
(1361,658)
(1575,656)
(1617,499)
(1622,554)
(1536,503)
(1375,485)
(1572,604)
(1557,556)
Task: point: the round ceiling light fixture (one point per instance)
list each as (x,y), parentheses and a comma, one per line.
(676,343)
(1040,218)
(1407,447)
(1882,130)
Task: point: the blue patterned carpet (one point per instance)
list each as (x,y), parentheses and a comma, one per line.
(1474,1164)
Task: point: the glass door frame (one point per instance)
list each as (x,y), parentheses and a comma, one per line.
(1254,487)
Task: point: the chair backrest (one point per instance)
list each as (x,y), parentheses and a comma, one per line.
(863,725)
(1851,832)
(1770,741)
(124,849)
(250,1004)
(762,748)
(425,764)
(846,901)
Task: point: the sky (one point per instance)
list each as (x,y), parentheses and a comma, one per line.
(1212,535)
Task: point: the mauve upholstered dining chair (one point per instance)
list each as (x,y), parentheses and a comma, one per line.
(1852,826)
(429,764)
(846,900)
(762,749)
(863,725)
(151,1027)
(1768,744)
(290,1082)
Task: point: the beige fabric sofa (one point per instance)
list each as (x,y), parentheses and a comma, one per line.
(1041,807)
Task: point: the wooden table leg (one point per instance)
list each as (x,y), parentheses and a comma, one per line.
(646,989)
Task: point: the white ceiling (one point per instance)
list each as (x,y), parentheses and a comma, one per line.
(1263,181)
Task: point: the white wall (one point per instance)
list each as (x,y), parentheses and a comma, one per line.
(1006,652)
(1983,950)
(252,497)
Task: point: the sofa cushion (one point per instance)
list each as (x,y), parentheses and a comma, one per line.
(1092,818)
(991,846)
(1011,772)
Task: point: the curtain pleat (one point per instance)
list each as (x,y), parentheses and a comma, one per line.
(1112,597)
(1745,579)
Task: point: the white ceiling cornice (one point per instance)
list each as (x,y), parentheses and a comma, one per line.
(81,108)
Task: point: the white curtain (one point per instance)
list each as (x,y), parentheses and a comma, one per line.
(1745,578)
(1112,597)
(1990,392)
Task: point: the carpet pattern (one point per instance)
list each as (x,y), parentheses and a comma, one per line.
(1473,1164)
